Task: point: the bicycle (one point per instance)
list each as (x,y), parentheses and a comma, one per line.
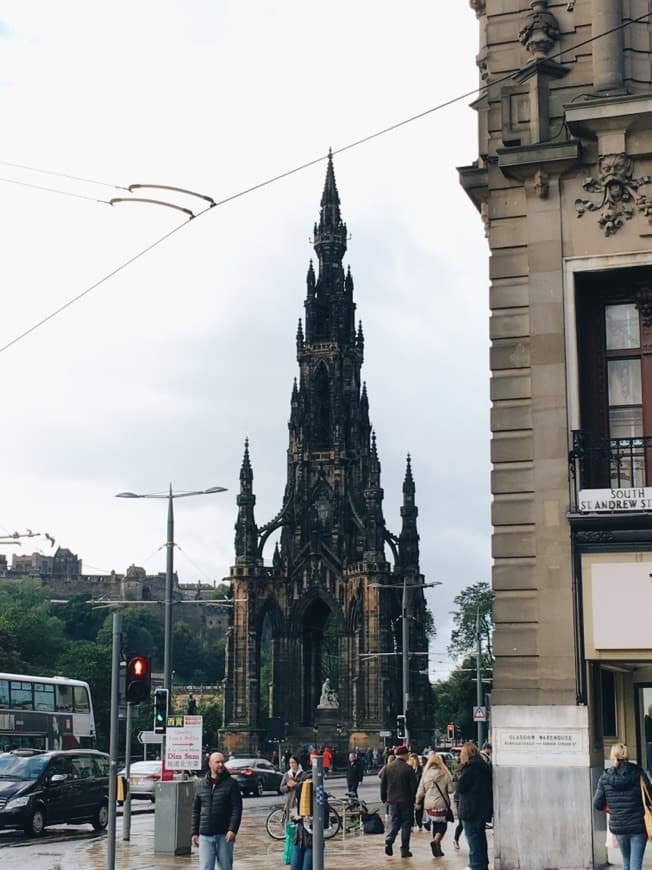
(277,820)
(352,809)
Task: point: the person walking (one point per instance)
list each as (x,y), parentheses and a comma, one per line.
(398,788)
(354,773)
(433,796)
(290,781)
(216,815)
(328,760)
(475,803)
(619,788)
(415,764)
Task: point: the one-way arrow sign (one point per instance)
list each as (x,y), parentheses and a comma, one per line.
(149,737)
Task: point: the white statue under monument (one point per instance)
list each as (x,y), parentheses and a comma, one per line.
(328,699)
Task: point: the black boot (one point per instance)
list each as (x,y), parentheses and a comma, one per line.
(436,849)
(405,853)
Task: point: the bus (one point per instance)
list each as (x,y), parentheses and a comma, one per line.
(45,713)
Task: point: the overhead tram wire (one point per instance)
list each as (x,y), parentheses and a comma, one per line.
(479,90)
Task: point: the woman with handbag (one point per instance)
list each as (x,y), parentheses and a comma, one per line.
(621,788)
(433,795)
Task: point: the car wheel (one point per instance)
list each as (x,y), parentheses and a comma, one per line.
(36,823)
(260,788)
(101,818)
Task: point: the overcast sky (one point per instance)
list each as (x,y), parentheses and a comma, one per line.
(160,373)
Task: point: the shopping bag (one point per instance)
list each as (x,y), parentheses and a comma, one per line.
(290,833)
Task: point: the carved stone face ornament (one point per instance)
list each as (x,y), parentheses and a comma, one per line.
(619,193)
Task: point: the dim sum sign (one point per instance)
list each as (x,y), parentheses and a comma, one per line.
(633,498)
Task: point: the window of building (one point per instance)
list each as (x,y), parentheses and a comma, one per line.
(614,330)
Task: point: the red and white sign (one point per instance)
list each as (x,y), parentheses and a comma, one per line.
(183,746)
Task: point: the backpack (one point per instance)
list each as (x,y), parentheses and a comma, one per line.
(372,824)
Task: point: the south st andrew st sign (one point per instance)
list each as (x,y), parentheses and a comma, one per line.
(634,498)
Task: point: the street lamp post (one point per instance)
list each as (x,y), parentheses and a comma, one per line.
(169,567)
(405,653)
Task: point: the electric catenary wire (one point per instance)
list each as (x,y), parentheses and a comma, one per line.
(480,89)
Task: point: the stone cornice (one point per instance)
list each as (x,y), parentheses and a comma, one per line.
(523,161)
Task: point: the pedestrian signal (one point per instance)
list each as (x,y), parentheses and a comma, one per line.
(160,710)
(451,732)
(139,678)
(400,726)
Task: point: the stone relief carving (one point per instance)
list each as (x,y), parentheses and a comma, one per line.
(478,6)
(644,305)
(619,193)
(541,184)
(541,31)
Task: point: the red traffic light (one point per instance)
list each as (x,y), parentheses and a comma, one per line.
(139,676)
(138,667)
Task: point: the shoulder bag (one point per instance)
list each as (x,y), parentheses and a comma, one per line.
(449,813)
(647,808)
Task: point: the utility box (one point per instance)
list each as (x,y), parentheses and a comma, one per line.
(173,817)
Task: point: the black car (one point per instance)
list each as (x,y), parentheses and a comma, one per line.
(50,788)
(254,775)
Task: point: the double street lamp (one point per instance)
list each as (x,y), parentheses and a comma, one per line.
(169,571)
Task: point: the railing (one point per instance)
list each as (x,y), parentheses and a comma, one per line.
(596,462)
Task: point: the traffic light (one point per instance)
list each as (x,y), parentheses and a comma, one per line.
(451,732)
(160,710)
(139,678)
(400,726)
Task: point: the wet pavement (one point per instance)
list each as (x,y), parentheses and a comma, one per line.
(255,850)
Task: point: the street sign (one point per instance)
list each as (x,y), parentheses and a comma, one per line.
(183,746)
(384,733)
(479,714)
(149,737)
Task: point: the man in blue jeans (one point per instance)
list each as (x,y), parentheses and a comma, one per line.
(216,816)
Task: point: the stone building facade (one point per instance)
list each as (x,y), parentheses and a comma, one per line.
(331,603)
(563,182)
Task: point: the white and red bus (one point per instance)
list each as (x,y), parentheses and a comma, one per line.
(45,713)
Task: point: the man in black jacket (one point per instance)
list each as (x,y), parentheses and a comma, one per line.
(354,773)
(398,788)
(216,815)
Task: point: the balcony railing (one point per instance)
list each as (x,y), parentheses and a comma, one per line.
(599,463)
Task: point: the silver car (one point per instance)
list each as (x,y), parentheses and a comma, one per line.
(143,776)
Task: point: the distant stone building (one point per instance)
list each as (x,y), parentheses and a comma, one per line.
(563,181)
(61,574)
(329,606)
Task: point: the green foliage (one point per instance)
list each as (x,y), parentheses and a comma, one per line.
(86,660)
(81,620)
(75,639)
(456,697)
(212,713)
(142,633)
(473,600)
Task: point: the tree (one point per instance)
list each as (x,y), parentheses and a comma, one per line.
(86,660)
(472,601)
(455,699)
(142,633)
(81,620)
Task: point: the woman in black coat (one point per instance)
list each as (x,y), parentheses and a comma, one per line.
(619,790)
(475,803)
